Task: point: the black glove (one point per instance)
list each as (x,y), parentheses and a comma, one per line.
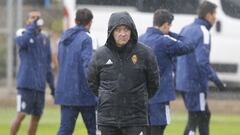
(220,85)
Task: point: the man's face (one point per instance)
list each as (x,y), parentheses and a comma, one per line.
(121,35)
(211,17)
(33,16)
(165,28)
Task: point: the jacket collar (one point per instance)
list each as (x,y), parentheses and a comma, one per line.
(154,30)
(70,34)
(203,22)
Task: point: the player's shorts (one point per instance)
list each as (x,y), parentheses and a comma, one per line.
(159,114)
(195,101)
(30,101)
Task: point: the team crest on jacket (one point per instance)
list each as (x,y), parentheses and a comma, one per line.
(134,59)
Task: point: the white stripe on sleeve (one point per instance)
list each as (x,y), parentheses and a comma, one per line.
(206,35)
(170,37)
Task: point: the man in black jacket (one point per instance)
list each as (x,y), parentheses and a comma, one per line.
(123,74)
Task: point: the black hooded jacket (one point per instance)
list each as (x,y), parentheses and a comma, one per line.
(123,78)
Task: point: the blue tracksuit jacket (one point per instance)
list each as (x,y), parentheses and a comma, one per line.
(194,70)
(166,48)
(35,59)
(74,54)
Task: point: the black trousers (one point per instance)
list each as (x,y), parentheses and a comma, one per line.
(156,130)
(110,130)
(69,115)
(200,120)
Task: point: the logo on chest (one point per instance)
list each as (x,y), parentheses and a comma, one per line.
(134,59)
(109,62)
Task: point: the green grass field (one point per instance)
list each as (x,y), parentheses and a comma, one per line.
(220,124)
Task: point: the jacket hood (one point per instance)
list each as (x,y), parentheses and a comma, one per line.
(121,18)
(154,30)
(69,35)
(203,22)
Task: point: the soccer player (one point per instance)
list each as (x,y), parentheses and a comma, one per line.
(194,71)
(166,46)
(34,71)
(72,93)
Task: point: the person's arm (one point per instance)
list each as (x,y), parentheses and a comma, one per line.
(93,75)
(177,45)
(26,37)
(202,57)
(152,74)
(86,54)
(50,75)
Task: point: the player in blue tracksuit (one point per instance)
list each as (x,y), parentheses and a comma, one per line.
(194,71)
(33,73)
(166,46)
(72,92)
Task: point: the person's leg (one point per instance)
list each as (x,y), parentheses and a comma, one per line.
(159,118)
(192,123)
(204,122)
(36,111)
(158,130)
(69,116)
(89,118)
(23,108)
(191,101)
(108,130)
(33,125)
(17,123)
(139,130)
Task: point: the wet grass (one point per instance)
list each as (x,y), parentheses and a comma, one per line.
(221,124)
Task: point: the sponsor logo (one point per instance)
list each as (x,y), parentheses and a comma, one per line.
(109,62)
